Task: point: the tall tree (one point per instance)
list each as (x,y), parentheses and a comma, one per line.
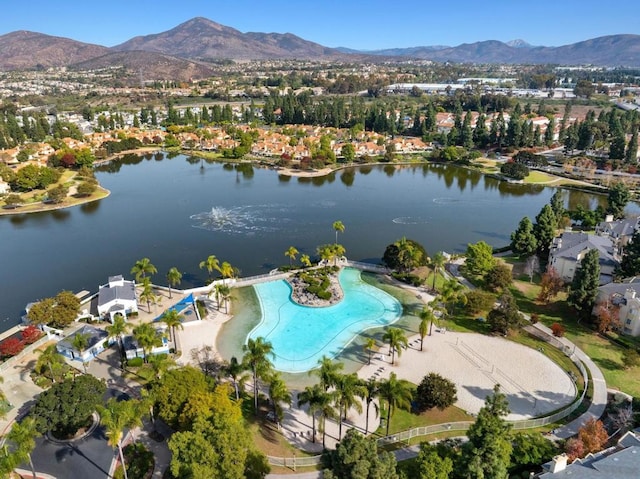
(114,417)
(523,241)
(234,370)
(631,154)
(545,229)
(174,277)
(256,359)
(426,323)
(437,265)
(584,287)
(397,394)
(557,205)
(617,199)
(291,253)
(117,330)
(313,396)
(369,344)
(142,268)
(278,393)
(227,271)
(173,319)
(371,390)
(479,258)
(488,452)
(397,340)
(23,436)
(348,389)
(328,371)
(211,264)
(147,337)
(338,226)
(630,263)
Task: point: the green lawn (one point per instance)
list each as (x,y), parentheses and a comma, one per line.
(606,354)
(403,420)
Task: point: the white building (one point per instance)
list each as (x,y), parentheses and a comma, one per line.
(118,296)
(569,248)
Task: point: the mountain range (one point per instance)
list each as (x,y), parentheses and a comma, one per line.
(190,50)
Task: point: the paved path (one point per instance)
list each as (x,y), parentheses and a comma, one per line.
(599,399)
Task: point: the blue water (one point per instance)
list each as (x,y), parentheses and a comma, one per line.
(301,335)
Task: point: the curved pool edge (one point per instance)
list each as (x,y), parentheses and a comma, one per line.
(388,305)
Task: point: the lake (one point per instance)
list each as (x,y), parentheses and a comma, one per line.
(177,211)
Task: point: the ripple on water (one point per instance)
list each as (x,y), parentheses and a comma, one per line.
(250,219)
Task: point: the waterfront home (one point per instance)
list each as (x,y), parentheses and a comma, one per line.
(626,297)
(569,248)
(97,340)
(118,296)
(620,231)
(617,462)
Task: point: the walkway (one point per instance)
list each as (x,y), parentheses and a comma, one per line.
(599,399)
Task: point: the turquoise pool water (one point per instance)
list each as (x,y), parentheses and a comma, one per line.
(301,335)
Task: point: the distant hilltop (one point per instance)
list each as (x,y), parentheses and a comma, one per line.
(195,44)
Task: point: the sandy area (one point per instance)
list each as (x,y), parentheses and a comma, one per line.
(534,384)
(199,334)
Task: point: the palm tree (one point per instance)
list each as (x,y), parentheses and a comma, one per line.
(49,357)
(278,393)
(211,264)
(397,394)
(147,337)
(291,253)
(338,251)
(226,271)
(80,343)
(348,387)
(256,359)
(174,277)
(305,260)
(437,265)
(23,435)
(452,293)
(338,226)
(397,340)
(142,268)
(426,321)
(147,295)
(327,411)
(328,372)
(369,344)
(234,370)
(173,319)
(314,396)
(225,294)
(371,392)
(118,329)
(115,417)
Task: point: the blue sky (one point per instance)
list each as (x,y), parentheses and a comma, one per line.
(360,24)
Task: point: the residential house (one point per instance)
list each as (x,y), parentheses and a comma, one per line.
(97,340)
(618,462)
(620,231)
(626,296)
(118,296)
(568,249)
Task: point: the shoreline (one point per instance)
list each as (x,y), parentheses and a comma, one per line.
(43,208)
(101,192)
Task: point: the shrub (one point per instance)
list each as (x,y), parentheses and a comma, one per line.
(557,329)
(139,462)
(535,317)
(31,334)
(11,347)
(435,391)
(135,362)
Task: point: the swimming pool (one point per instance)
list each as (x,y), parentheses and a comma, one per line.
(301,335)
